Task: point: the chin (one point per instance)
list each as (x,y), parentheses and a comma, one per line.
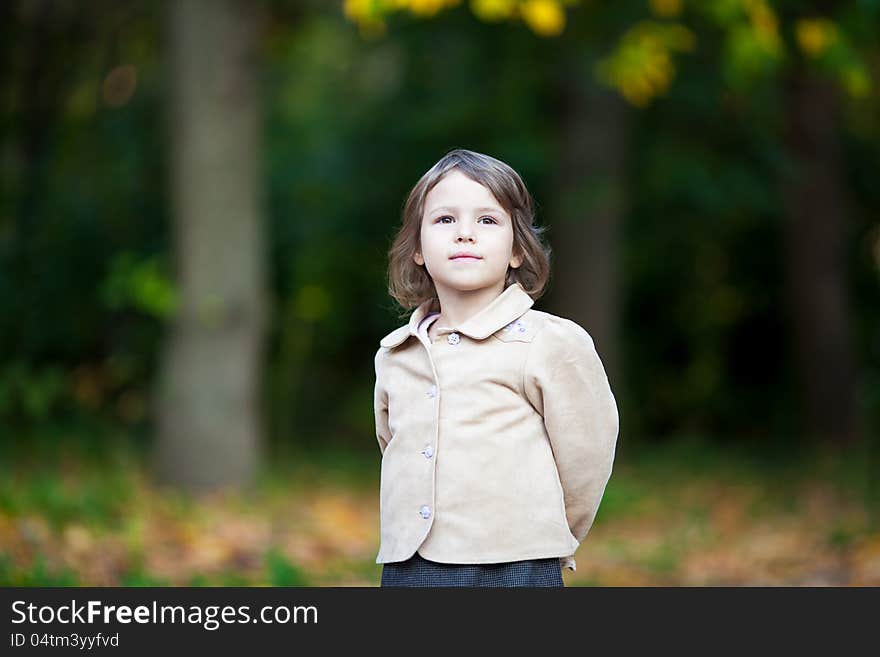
(464,285)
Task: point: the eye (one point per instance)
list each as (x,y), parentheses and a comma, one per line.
(440,220)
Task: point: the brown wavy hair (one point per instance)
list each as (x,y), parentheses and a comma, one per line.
(410,284)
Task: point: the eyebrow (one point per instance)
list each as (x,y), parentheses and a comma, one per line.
(486,209)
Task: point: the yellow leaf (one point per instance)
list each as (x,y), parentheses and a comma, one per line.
(544,17)
(815,35)
(493,10)
(666,7)
(429,7)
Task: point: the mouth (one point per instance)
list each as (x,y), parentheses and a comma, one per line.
(465,257)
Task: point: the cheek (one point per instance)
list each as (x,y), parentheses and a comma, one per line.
(424,242)
(508,244)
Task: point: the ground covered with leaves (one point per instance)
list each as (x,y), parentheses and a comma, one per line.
(682,514)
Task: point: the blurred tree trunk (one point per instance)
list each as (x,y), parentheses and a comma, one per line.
(587,213)
(814,197)
(209,421)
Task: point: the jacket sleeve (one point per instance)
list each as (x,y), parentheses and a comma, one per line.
(566,383)
(380,403)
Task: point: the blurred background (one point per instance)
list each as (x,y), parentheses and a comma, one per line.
(197,202)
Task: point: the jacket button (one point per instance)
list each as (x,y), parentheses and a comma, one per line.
(453,338)
(428,451)
(432,391)
(425,512)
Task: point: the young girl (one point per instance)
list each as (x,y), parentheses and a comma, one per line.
(496,422)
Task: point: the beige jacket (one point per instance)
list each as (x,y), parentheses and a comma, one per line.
(497,437)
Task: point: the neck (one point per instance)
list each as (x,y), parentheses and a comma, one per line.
(457,306)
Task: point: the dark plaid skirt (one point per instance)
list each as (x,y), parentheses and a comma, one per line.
(418,571)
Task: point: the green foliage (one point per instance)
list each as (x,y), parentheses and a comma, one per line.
(39,574)
(282,572)
(86,246)
(30,392)
(664,505)
(61,497)
(143,286)
(137,577)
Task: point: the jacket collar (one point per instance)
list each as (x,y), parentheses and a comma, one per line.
(501,311)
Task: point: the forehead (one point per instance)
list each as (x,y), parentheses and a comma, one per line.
(455,190)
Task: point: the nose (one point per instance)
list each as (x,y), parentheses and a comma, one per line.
(464,231)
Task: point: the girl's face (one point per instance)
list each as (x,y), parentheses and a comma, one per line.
(462,216)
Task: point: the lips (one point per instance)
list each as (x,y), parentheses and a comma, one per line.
(465,257)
